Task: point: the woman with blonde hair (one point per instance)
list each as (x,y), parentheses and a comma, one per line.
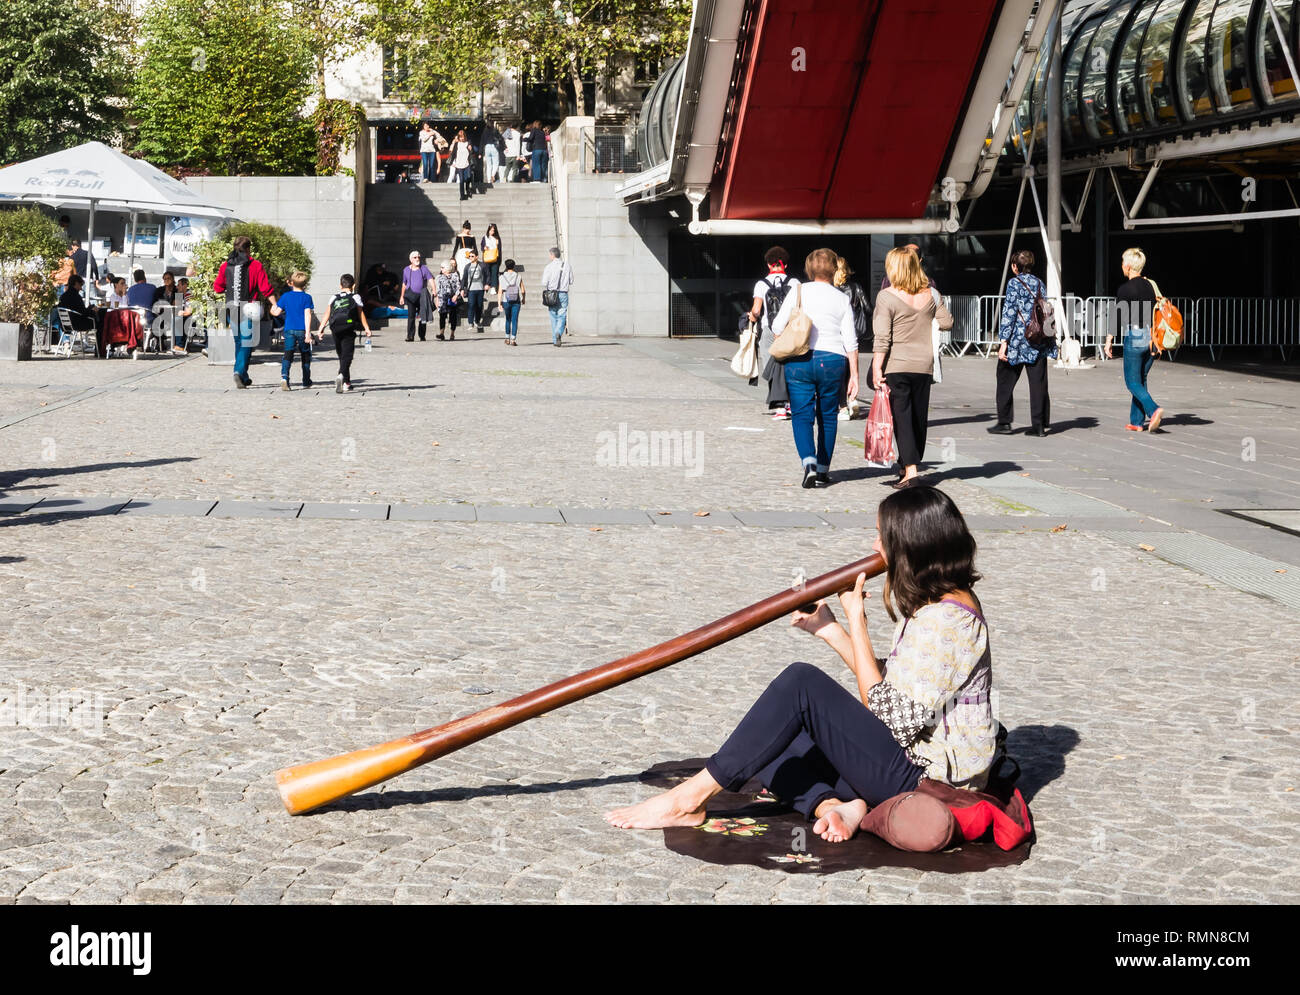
(904,353)
(1135,305)
(816,380)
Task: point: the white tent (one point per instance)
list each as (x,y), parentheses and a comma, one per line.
(103,178)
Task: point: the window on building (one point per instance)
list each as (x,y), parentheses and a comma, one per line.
(1273,69)
(1128,103)
(1156,78)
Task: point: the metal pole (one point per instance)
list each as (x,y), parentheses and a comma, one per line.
(132,266)
(1054,98)
(92,290)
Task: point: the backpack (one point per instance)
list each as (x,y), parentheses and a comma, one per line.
(1166,322)
(343,313)
(237,278)
(774,298)
(510,288)
(1040,320)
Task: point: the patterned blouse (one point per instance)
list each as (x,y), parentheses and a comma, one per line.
(1017,309)
(935,695)
(448,285)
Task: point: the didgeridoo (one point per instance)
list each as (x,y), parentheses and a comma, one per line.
(309,786)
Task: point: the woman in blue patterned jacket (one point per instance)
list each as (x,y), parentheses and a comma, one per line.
(1016,354)
(925,713)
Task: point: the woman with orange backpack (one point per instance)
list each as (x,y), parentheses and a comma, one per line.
(1135,311)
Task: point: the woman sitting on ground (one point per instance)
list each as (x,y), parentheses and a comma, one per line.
(924,714)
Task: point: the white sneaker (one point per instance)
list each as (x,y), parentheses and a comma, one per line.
(338,384)
(284,385)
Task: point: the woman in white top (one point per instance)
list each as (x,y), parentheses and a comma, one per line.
(461,162)
(429,142)
(816,380)
(117,296)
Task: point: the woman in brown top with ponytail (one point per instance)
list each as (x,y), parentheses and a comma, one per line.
(904,353)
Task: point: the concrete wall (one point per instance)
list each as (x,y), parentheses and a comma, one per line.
(320,211)
(619,257)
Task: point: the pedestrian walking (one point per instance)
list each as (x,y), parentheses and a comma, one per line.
(346,313)
(510,298)
(508,170)
(462,163)
(557,278)
(414,296)
(903,353)
(490,255)
(1135,305)
(243,281)
(769,294)
(490,142)
(1015,354)
(473,279)
(861,322)
(462,245)
(449,295)
(537,151)
(430,141)
(818,378)
(299,310)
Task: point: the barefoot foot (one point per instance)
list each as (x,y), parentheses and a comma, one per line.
(841,822)
(659,812)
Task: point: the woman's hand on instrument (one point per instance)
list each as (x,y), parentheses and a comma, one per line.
(816,621)
(854,601)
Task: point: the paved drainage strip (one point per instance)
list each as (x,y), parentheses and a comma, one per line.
(56,507)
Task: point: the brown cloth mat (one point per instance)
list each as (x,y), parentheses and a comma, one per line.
(752,827)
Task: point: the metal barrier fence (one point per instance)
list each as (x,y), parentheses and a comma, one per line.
(1215,323)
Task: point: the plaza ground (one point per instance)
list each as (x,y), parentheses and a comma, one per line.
(203,585)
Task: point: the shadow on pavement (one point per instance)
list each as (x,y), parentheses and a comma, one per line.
(993,469)
(963,420)
(8,478)
(1083,421)
(1041,752)
(389,799)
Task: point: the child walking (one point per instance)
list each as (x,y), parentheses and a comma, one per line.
(346,312)
(298,308)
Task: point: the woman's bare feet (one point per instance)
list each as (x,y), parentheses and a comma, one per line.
(679,806)
(1156,418)
(839,822)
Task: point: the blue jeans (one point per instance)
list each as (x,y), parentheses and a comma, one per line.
(511,309)
(428,165)
(539,164)
(243,348)
(296,341)
(489,163)
(465,176)
(816,383)
(475,306)
(1137,363)
(559,315)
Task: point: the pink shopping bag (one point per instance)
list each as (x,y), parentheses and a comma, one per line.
(879,445)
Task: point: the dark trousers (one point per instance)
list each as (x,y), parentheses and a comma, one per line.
(345,344)
(448,313)
(1040,408)
(412,319)
(466,177)
(909,401)
(475,306)
(807,739)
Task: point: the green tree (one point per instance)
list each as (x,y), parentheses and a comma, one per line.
(31,247)
(447,52)
(221,86)
(61,69)
(279,253)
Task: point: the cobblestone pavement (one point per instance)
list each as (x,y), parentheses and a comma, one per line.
(158,669)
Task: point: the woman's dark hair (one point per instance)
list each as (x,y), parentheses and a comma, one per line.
(510,264)
(242,243)
(1023,261)
(929,551)
(492,230)
(466,224)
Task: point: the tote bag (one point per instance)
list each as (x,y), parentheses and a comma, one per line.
(793,340)
(879,445)
(745,362)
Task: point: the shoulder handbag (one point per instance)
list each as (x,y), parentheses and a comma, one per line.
(551,298)
(1166,322)
(795,337)
(745,362)
(1037,328)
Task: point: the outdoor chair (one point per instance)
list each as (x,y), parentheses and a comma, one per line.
(72,337)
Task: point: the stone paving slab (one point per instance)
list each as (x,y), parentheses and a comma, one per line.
(168,508)
(605,516)
(781,519)
(376,512)
(716,519)
(81,506)
(494,513)
(431,513)
(256,509)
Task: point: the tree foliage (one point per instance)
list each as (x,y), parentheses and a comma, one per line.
(60,72)
(31,248)
(221,86)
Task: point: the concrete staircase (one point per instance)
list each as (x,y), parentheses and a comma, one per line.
(425,217)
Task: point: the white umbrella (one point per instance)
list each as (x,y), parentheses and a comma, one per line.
(103,178)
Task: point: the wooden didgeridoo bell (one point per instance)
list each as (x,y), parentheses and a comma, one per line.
(309,786)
